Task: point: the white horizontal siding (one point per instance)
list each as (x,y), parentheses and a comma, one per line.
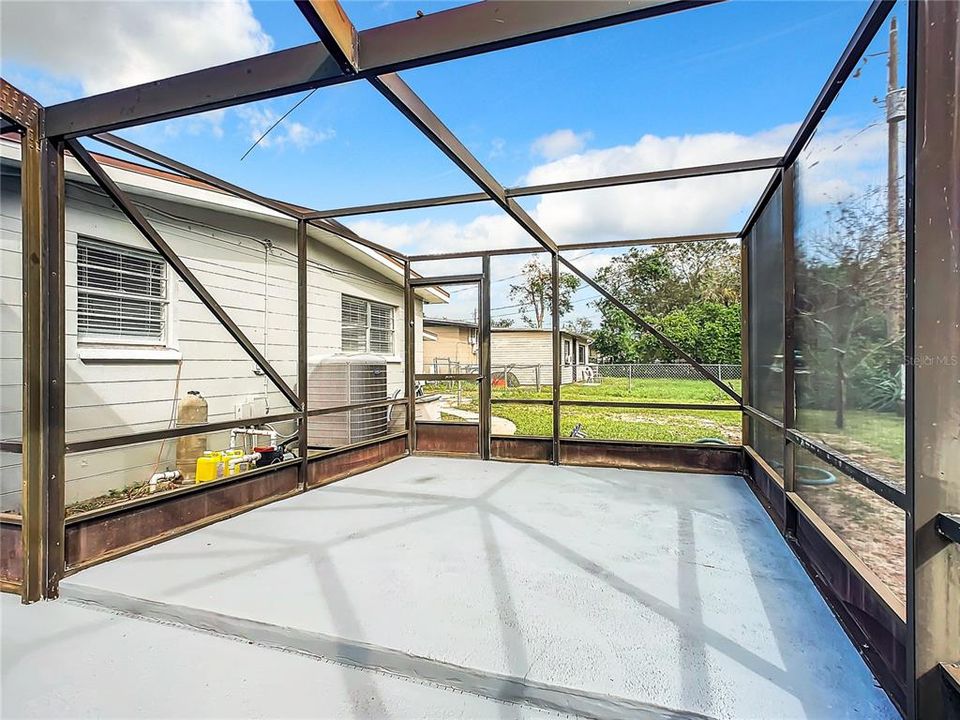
(247,265)
(524,350)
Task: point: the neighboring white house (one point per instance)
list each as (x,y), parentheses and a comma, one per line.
(528,354)
(137,339)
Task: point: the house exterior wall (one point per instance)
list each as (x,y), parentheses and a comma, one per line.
(249,266)
(451,349)
(520,352)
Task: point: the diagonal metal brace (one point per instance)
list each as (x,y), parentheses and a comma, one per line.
(149,232)
(653,331)
(401,96)
(292,211)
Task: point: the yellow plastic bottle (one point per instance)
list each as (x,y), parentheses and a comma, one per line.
(210,466)
(228,455)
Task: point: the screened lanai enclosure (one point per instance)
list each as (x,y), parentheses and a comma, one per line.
(246,418)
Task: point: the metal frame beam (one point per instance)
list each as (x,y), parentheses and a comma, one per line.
(933,344)
(440,280)
(869,26)
(82,446)
(601,245)
(303,320)
(458,32)
(484,346)
(133,214)
(639,321)
(788,226)
(336,32)
(949,527)
(431,202)
(871,23)
(746,436)
(569,186)
(54,284)
(292,211)
(401,96)
(27,113)
(193,173)
(556,366)
(848,467)
(409,355)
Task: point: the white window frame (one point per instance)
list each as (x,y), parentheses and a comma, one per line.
(165,342)
(368,305)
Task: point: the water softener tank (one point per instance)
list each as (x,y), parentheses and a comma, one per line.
(192,410)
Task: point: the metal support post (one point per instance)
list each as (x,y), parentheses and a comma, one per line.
(788,194)
(410,355)
(555,318)
(302,335)
(933,352)
(486,415)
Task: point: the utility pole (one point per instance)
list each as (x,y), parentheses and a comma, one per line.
(896,113)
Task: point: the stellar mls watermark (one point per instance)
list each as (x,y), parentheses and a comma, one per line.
(932,360)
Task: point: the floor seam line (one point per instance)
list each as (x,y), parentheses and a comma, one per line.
(498,687)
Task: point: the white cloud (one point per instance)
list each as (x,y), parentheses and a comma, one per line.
(258,120)
(663,208)
(654,152)
(560,143)
(107,45)
(843,160)
(484,231)
(431,236)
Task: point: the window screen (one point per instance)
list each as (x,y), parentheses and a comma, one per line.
(366,326)
(121,293)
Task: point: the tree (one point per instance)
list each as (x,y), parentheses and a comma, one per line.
(690,291)
(503,322)
(672,276)
(709,331)
(847,280)
(580,326)
(534,291)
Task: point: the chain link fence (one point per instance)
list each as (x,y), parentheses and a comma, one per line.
(664,371)
(537,375)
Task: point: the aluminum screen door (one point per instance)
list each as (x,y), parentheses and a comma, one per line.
(449,374)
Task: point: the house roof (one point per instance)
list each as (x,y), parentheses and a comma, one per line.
(437,322)
(148,180)
(583,338)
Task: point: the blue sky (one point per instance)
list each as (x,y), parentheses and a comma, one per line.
(724,82)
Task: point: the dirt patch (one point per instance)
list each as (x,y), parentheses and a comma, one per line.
(869,456)
(868,524)
(120,495)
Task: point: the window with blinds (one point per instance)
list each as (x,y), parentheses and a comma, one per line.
(121,294)
(365,326)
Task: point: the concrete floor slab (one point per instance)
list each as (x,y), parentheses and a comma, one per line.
(662,588)
(60,660)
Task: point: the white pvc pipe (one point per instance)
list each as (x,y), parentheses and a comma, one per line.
(256,432)
(169,475)
(234,461)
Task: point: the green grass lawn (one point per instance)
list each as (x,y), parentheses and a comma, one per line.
(652,425)
(625,424)
(875,439)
